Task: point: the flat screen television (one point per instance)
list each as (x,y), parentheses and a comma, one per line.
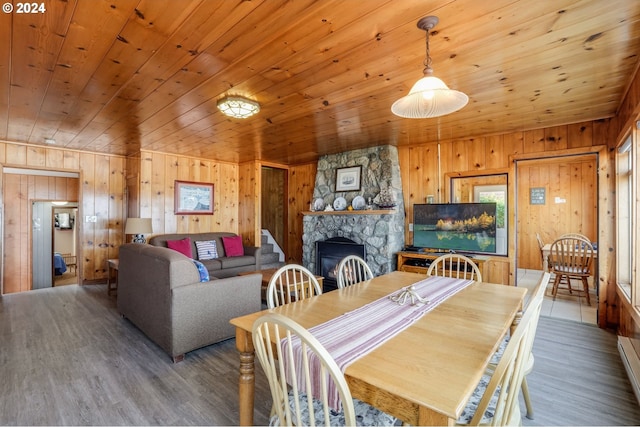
(457,227)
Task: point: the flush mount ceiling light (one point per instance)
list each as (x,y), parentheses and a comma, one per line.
(238,107)
(429,96)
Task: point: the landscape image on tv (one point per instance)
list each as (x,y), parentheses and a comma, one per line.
(464,227)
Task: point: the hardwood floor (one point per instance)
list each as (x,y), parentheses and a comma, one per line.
(68,358)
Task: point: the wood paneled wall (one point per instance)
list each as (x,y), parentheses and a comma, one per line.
(155,182)
(571,188)
(628,113)
(302,180)
(249,186)
(424,167)
(101,186)
(21,191)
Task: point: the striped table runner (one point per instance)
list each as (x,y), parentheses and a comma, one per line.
(358,332)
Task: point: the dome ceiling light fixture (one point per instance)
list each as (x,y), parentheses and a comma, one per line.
(238,107)
(429,96)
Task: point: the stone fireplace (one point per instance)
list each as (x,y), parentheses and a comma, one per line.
(379,232)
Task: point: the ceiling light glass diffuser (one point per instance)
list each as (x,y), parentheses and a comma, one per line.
(238,107)
(429,96)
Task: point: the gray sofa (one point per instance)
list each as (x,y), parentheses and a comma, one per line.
(159,291)
(223,266)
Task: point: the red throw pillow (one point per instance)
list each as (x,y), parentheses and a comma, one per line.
(233,246)
(183,246)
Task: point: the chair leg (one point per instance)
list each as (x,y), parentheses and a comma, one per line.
(585,286)
(556,282)
(527,398)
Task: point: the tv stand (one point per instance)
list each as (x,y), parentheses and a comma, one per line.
(419,262)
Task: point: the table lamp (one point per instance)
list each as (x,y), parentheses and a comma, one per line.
(138,227)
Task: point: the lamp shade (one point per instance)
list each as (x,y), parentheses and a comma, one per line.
(429,97)
(138,226)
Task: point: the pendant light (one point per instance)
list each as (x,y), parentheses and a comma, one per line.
(429,96)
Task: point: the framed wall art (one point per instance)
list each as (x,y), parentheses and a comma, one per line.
(193,198)
(348,179)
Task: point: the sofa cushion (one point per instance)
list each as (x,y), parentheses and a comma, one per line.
(207,250)
(237,261)
(183,246)
(233,246)
(212,264)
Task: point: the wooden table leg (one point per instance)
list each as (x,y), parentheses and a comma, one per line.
(246,383)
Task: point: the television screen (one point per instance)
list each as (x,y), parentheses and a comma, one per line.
(463,227)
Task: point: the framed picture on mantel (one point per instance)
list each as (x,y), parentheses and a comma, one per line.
(193,198)
(348,179)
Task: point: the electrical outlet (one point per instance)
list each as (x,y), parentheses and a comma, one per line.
(410,226)
(90,218)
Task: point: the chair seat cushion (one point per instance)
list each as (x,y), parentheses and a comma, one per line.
(366,415)
(472,405)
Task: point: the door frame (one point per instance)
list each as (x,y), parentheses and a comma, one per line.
(284,199)
(27,170)
(604,177)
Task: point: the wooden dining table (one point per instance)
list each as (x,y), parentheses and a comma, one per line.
(425,374)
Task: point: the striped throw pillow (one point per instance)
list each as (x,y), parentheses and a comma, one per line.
(207,250)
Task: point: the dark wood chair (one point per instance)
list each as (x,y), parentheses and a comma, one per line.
(571,258)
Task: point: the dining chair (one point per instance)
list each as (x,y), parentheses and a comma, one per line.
(495,401)
(574,235)
(273,338)
(455,265)
(291,282)
(541,247)
(538,293)
(571,258)
(351,270)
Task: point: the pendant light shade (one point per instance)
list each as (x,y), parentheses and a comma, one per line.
(429,96)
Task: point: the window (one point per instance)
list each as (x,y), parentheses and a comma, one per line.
(625,218)
(496,194)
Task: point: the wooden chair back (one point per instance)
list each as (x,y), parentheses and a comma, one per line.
(273,335)
(290,283)
(574,235)
(455,265)
(351,270)
(506,380)
(571,257)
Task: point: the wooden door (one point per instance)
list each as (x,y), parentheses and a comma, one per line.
(554,196)
(273,203)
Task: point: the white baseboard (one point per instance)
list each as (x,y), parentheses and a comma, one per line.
(631,363)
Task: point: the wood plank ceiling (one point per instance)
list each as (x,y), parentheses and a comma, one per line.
(117,76)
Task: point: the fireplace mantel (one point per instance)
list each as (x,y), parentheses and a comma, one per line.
(354,212)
